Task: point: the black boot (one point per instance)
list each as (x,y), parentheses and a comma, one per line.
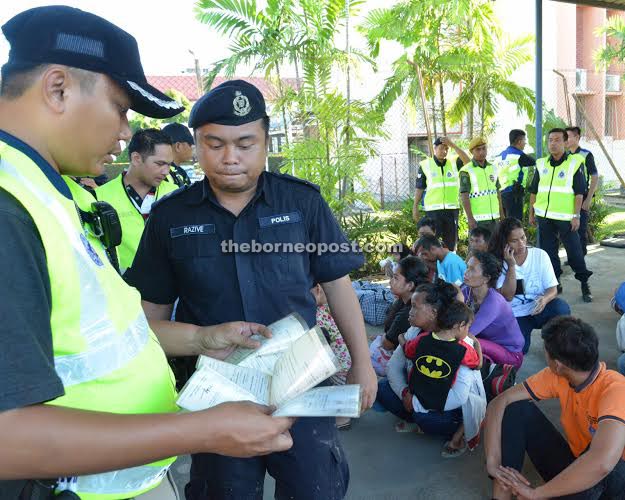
(586,295)
(559,288)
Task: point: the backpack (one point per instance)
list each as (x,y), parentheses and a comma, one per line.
(374,301)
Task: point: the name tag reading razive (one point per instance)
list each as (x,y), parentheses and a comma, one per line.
(192,229)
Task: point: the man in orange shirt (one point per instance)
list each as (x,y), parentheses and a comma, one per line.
(590,462)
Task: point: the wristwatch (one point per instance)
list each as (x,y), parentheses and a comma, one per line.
(576,216)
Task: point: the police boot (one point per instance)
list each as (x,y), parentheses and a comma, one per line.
(586,295)
(559,288)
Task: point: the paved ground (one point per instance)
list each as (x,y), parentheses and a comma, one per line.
(389,466)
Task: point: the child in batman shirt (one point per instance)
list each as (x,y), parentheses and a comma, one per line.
(437,356)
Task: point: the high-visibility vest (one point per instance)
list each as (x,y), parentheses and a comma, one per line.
(132,222)
(443,188)
(555,198)
(508,168)
(105,354)
(583,153)
(483,194)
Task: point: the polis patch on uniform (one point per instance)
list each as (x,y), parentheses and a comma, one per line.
(191,229)
(91,251)
(449,174)
(275,220)
(561,174)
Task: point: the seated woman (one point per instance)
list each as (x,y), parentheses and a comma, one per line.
(527,279)
(410,273)
(398,252)
(433,406)
(494,325)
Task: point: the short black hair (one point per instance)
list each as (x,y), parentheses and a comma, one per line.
(478,231)
(515,135)
(558,130)
(571,341)
(439,295)
(576,130)
(428,241)
(456,313)
(15,82)
(491,266)
(426,221)
(145,140)
(414,270)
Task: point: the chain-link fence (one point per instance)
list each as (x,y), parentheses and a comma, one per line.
(595,102)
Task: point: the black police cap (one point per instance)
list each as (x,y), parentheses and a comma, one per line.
(234,102)
(71,37)
(178,132)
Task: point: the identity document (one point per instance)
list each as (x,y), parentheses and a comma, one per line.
(282,372)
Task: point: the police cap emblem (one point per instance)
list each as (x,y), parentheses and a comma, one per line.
(241,104)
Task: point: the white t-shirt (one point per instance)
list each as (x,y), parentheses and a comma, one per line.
(537,275)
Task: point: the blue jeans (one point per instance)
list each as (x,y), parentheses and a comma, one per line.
(439,423)
(557,307)
(620,364)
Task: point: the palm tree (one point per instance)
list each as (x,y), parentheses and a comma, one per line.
(487,76)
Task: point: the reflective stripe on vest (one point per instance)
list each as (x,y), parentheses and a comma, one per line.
(483,196)
(100,336)
(442,189)
(555,198)
(508,169)
(107,351)
(132,222)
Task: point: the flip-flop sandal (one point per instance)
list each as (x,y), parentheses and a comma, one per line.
(403,426)
(449,452)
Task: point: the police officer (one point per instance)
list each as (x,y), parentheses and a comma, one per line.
(84,383)
(592,180)
(512,166)
(191,238)
(479,188)
(133,192)
(182,144)
(557,190)
(437,186)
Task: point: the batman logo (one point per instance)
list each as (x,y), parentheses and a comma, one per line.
(433,367)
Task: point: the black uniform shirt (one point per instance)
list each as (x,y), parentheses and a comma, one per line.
(180,254)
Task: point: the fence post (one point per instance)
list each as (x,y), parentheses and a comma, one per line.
(382,182)
(396,191)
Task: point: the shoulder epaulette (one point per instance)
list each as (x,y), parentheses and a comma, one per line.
(169,196)
(291,178)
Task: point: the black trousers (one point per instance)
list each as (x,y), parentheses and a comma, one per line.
(513,203)
(446,226)
(526,429)
(583,230)
(551,232)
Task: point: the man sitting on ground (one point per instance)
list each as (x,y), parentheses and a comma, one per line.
(449,266)
(479,239)
(590,462)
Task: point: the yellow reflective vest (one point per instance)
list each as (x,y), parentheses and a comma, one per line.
(555,198)
(443,188)
(132,222)
(483,195)
(105,354)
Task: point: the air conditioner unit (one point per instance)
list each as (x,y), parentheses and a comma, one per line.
(581,80)
(612,83)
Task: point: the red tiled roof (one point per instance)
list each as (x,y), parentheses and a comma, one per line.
(187,85)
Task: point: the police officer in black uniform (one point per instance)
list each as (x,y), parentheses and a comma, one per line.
(182,145)
(188,252)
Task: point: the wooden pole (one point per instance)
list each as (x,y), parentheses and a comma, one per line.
(598,139)
(566,97)
(424,106)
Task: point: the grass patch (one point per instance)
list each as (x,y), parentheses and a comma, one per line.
(614,223)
